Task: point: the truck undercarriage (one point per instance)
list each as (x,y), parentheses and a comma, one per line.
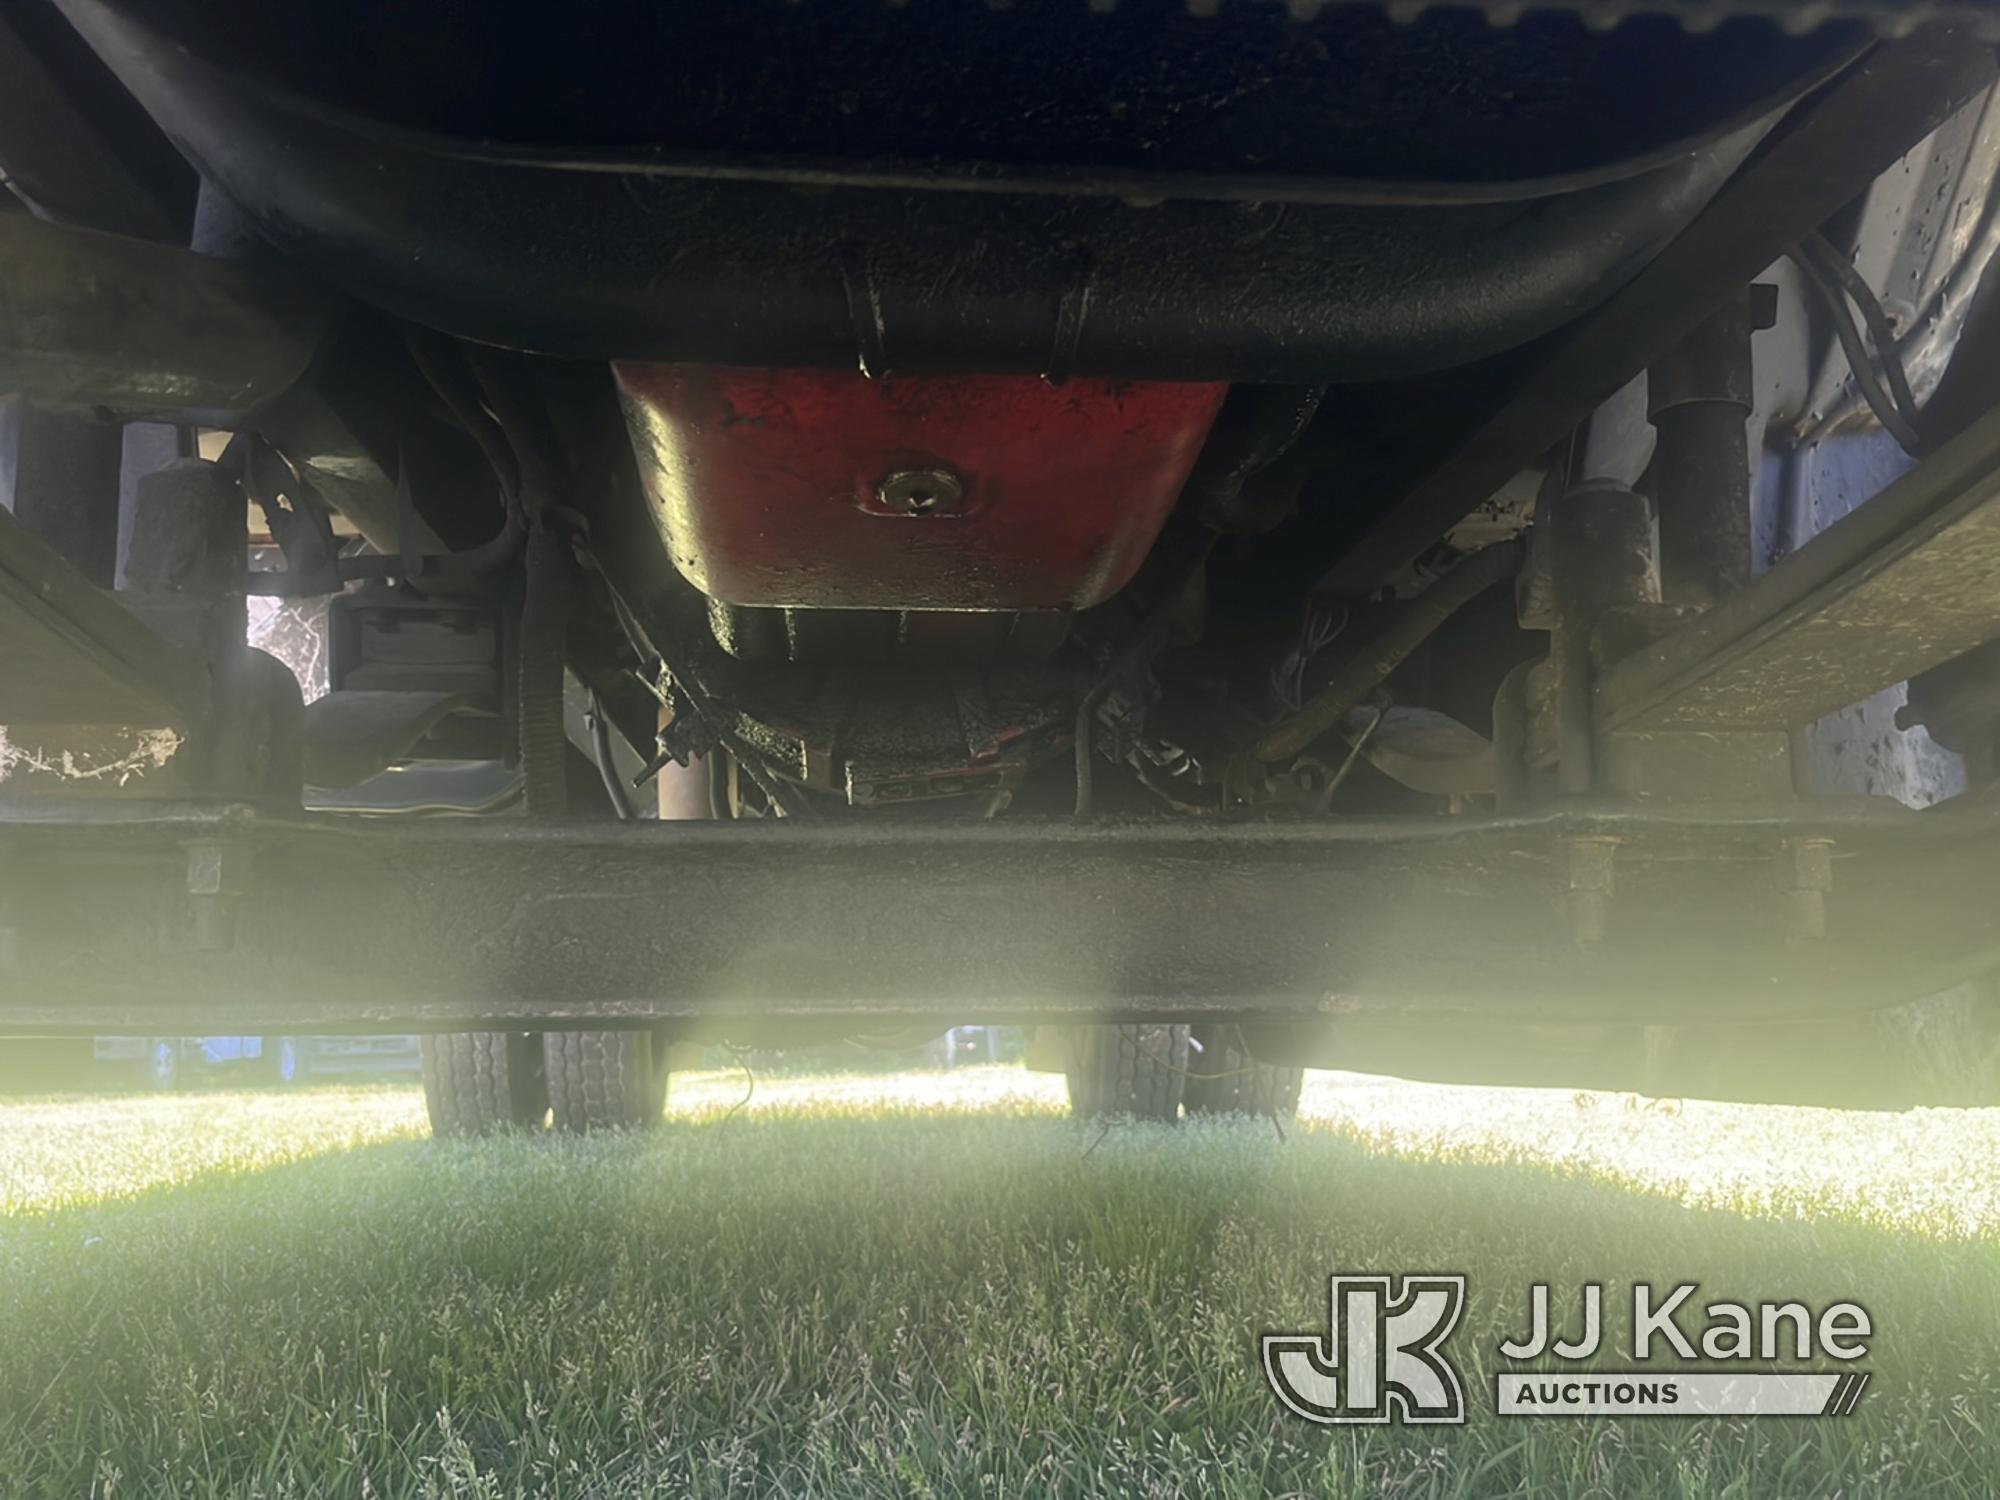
(1458,540)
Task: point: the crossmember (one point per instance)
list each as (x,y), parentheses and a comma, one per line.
(160,917)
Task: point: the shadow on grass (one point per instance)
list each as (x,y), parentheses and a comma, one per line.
(853,1304)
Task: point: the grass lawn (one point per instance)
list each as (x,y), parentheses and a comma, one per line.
(924,1285)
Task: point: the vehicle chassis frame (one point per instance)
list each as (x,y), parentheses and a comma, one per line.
(163,916)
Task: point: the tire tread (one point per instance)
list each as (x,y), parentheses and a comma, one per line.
(477,1082)
(1246,1087)
(604,1080)
(1128,1070)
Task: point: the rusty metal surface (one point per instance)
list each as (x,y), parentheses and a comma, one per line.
(1898,585)
(448,923)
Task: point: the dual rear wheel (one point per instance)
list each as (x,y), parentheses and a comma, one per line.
(480,1082)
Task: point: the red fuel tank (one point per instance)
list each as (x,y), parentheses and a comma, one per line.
(820,489)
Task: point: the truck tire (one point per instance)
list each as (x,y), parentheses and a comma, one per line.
(1128,1070)
(477,1082)
(1225,1080)
(606,1080)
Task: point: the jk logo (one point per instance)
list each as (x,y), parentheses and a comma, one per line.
(1379,1360)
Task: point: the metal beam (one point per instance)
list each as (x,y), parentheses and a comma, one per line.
(73,655)
(1902,583)
(445,923)
(138,329)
